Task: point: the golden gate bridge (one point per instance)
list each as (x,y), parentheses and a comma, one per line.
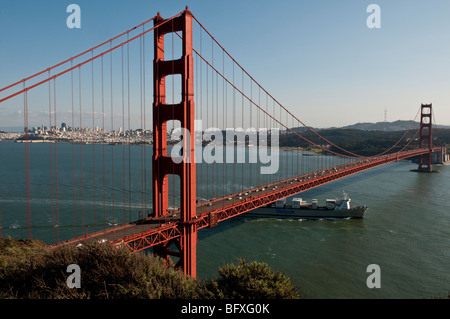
(103,93)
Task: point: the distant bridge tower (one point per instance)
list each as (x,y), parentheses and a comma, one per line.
(426,138)
(163,163)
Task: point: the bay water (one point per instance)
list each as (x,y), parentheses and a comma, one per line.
(406,231)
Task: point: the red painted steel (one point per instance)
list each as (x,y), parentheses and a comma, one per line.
(220,211)
(161,233)
(426,139)
(78,65)
(75,56)
(175,233)
(163,164)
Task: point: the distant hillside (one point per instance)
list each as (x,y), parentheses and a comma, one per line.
(363,142)
(388,126)
(384,126)
(379,126)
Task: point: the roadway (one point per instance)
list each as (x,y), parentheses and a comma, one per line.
(151,231)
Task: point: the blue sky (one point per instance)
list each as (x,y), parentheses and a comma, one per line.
(317,57)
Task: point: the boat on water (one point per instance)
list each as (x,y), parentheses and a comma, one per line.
(334,208)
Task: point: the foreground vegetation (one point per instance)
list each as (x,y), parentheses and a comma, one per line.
(31,269)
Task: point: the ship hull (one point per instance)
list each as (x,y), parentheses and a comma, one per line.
(353,212)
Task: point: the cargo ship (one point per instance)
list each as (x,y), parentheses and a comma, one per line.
(334,208)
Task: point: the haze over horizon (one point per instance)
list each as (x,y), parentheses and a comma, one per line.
(359,125)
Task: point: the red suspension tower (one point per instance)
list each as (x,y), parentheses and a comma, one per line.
(163,164)
(426,139)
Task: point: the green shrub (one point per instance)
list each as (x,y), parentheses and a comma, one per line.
(252,280)
(106,272)
(30,269)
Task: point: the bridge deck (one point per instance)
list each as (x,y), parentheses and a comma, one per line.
(148,232)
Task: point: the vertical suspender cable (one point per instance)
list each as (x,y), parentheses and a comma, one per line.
(27,162)
(56,163)
(234,126)
(242,123)
(145,126)
(129,126)
(201,117)
(292,150)
(81,131)
(276,124)
(73,158)
(225,124)
(51,155)
(113,134)
(267,133)
(103,148)
(207,126)
(196,112)
(142,127)
(216,137)
(259,134)
(224,165)
(93,146)
(213,117)
(123,143)
(251,127)
(173,114)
